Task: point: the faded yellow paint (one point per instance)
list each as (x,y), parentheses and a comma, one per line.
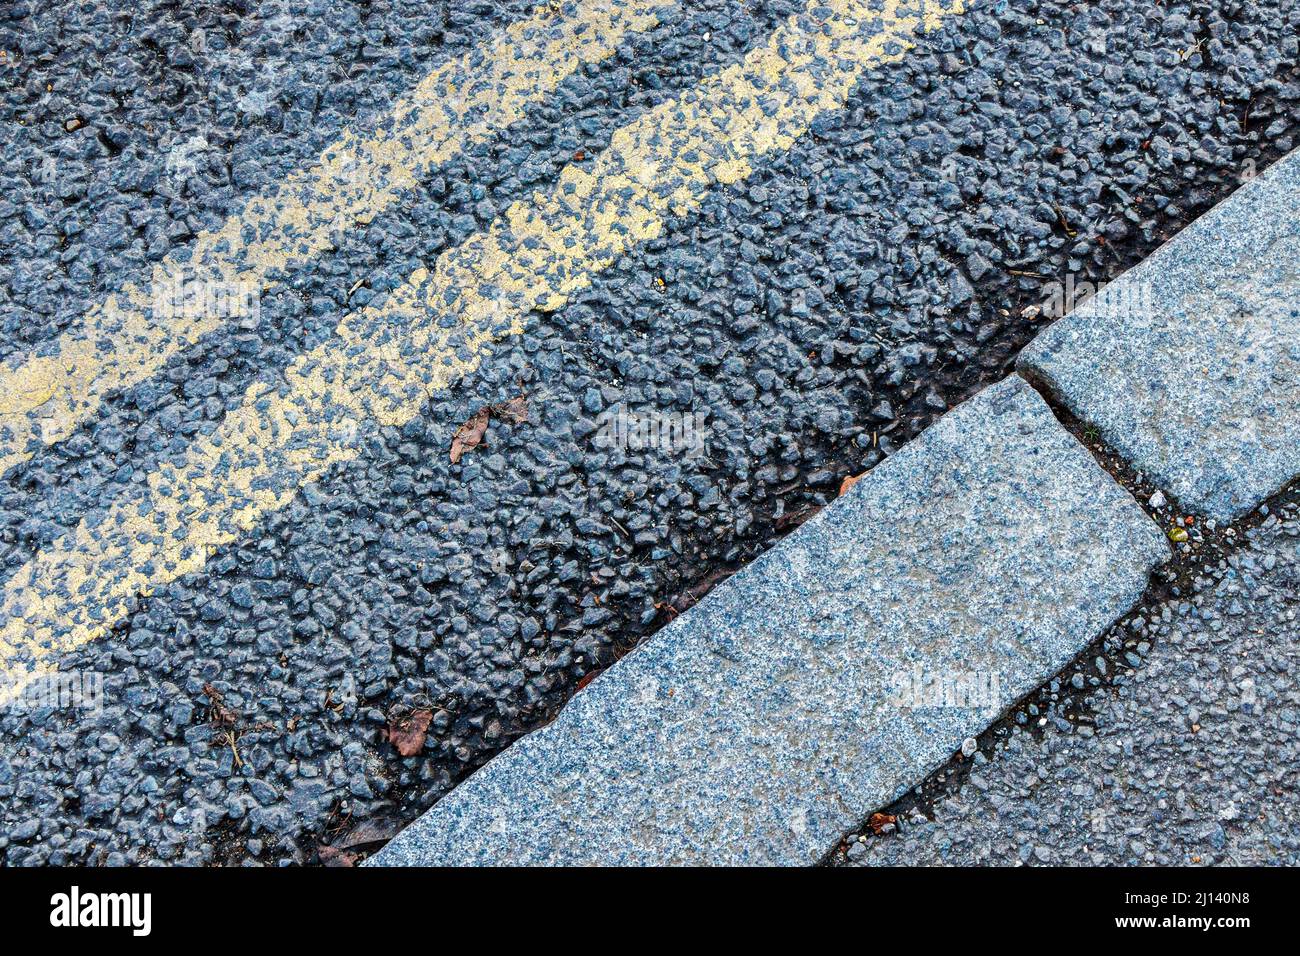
(385,362)
(470,99)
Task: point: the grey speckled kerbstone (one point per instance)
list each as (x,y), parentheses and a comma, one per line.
(1189,364)
(767,721)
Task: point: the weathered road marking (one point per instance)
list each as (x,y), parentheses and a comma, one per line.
(44,396)
(386,362)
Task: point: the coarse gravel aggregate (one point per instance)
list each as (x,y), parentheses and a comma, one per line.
(1184,751)
(819,314)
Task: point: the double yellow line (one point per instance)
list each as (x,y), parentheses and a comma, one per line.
(385,362)
(45,396)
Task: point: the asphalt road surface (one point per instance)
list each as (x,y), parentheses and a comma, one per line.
(266,268)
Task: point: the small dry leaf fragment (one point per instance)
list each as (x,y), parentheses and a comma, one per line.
(849,482)
(407,733)
(470,435)
(218,713)
(879,821)
(514,411)
(333,856)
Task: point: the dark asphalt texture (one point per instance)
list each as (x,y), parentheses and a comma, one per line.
(822,313)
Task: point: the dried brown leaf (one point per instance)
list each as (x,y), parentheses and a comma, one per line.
(335,856)
(514,411)
(879,821)
(470,434)
(849,482)
(407,733)
(218,713)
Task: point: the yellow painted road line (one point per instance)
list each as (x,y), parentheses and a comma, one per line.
(385,362)
(44,396)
